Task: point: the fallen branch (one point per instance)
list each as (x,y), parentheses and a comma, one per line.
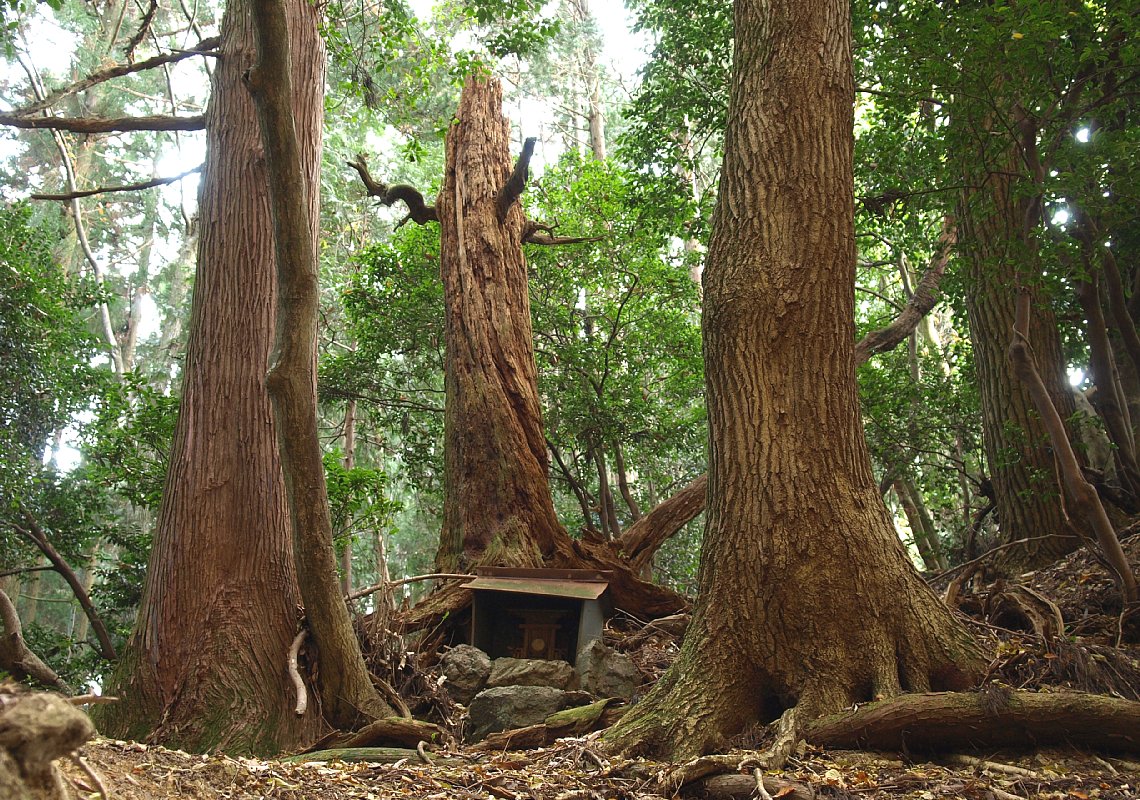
(90,772)
(414,579)
(105,124)
(130,187)
(744,787)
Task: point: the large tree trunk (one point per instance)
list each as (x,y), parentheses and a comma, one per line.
(205,667)
(807,600)
(999,249)
(497,504)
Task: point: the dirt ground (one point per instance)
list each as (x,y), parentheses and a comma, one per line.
(574,769)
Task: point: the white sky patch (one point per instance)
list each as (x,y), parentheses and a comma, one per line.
(1076,376)
(1082,135)
(150,320)
(190,152)
(66,456)
(1060,217)
(625,51)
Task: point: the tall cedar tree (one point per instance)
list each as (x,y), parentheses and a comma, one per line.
(807,601)
(204,668)
(497,506)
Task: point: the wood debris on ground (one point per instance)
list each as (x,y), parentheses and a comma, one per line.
(575,769)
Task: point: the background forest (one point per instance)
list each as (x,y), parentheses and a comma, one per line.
(996,149)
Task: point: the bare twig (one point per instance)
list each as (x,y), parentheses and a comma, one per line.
(92,774)
(415,579)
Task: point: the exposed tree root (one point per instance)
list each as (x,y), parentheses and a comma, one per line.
(746,787)
(989,718)
(384,733)
(947,721)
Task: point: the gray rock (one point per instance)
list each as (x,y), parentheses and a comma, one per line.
(531,672)
(505,707)
(466,669)
(604,672)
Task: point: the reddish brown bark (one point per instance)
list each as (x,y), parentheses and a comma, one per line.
(205,667)
(348,697)
(807,601)
(497,504)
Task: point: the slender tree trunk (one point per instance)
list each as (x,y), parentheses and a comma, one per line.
(497,503)
(921,525)
(348,698)
(349,463)
(791,492)
(205,667)
(596,114)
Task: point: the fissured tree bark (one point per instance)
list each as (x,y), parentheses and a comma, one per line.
(497,506)
(205,666)
(1000,254)
(807,602)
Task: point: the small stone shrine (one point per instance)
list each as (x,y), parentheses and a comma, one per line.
(537,613)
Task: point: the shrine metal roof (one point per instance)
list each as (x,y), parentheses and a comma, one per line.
(578,584)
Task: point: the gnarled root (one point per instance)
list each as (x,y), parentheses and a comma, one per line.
(988,718)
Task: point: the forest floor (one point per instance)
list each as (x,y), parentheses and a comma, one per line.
(1057,628)
(573,770)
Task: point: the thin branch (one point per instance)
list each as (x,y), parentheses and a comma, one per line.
(419,211)
(531,235)
(39,538)
(515,184)
(115,351)
(130,187)
(203,48)
(921,302)
(359,593)
(106,124)
(22,570)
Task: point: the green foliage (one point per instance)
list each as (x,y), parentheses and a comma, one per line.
(128,442)
(357,497)
(617,333)
(44,346)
